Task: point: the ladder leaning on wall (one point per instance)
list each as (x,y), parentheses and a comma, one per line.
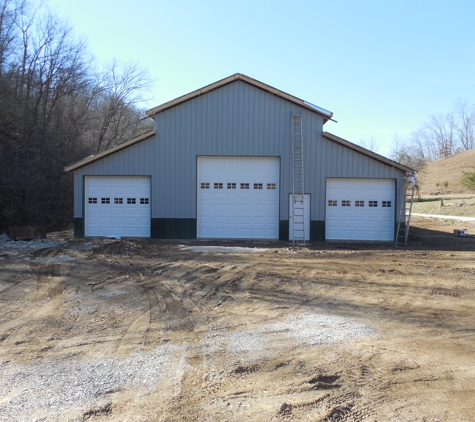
(404,220)
(298,214)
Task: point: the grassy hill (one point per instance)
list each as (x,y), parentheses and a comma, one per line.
(444,175)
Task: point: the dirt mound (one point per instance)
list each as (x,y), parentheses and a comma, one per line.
(443,176)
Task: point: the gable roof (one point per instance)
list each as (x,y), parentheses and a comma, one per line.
(367,152)
(327,115)
(109,151)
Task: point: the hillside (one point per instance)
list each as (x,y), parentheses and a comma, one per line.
(444,175)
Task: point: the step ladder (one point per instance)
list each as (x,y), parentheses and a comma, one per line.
(298,214)
(404,221)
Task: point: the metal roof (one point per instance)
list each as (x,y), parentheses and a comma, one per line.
(327,115)
(109,151)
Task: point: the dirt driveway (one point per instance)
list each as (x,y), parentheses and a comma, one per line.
(135,330)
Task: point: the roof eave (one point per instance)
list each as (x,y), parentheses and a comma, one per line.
(126,144)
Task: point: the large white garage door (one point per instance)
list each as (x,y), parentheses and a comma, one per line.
(360,209)
(238,197)
(117,206)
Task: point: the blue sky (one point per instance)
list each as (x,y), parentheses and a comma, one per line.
(382,67)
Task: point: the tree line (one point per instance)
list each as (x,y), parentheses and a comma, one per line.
(440,136)
(57,105)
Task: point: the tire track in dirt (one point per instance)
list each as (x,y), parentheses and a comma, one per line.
(13,283)
(45,308)
(165,315)
(146,328)
(178,301)
(365,385)
(206,287)
(172,317)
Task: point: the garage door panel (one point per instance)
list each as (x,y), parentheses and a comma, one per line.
(122,206)
(245,208)
(359,220)
(218,208)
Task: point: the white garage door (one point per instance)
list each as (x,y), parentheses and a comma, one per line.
(117,206)
(360,209)
(238,197)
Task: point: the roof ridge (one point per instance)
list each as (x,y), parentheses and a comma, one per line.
(327,115)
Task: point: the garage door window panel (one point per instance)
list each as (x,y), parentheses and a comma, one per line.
(245,201)
(110,217)
(366,219)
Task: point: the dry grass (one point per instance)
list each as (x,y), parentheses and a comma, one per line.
(444,175)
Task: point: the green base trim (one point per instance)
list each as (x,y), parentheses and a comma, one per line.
(284,230)
(173,228)
(78,227)
(317,230)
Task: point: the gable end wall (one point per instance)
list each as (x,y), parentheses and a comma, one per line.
(235,120)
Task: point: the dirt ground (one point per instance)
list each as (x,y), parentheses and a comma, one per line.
(144,330)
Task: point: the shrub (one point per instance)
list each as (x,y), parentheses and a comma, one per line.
(468,179)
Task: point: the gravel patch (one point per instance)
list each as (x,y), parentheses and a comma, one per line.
(223,249)
(47,390)
(28,246)
(310,329)
(314,329)
(56,259)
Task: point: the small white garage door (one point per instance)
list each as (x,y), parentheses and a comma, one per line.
(117,206)
(238,197)
(360,209)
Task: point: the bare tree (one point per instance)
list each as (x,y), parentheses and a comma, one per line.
(442,136)
(463,124)
(403,152)
(9,11)
(118,117)
(43,85)
(371,144)
(53,111)
(435,139)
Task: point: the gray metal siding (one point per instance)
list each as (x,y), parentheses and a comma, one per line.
(235,120)
(137,160)
(339,161)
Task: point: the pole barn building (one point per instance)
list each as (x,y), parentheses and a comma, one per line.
(238,159)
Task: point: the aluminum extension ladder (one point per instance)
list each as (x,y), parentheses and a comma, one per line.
(404,220)
(298,213)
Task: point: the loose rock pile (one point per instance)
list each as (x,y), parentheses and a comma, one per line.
(25,249)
